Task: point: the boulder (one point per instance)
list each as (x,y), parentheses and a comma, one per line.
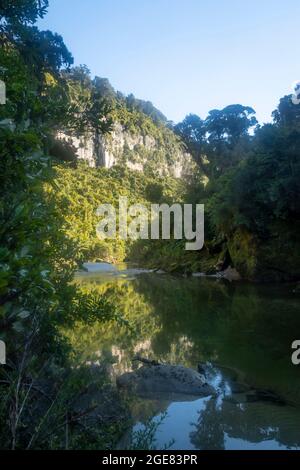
(165,378)
(230,274)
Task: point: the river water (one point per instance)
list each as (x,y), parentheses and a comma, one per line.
(240,333)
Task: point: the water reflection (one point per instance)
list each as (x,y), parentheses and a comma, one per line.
(243,331)
(227,421)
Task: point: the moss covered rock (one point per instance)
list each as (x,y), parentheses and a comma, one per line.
(273,258)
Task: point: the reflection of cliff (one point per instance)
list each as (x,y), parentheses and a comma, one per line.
(113,342)
(186,321)
(252,422)
(122,361)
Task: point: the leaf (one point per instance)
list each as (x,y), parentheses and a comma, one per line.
(24,314)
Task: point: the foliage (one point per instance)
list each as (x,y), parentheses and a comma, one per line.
(90,107)
(80,191)
(144,438)
(251,188)
(37,265)
(22,11)
(37,258)
(264,187)
(220,141)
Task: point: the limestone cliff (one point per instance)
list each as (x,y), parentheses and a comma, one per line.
(163,154)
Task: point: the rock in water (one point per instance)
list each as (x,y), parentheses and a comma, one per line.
(165,378)
(231,274)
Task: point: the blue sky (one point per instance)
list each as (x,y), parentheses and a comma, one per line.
(186,55)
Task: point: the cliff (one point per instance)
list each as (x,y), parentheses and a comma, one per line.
(162,154)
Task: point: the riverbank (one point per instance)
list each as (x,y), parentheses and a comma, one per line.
(242,257)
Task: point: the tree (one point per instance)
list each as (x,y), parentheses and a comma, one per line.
(287,114)
(193,131)
(21,11)
(221,140)
(37,258)
(265,188)
(91,102)
(229,124)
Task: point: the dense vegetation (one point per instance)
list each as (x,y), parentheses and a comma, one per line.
(79,191)
(252,186)
(249,182)
(38,386)
(248,179)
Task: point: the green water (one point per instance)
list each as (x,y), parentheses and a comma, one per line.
(242,332)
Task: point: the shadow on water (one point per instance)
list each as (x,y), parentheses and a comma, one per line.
(241,332)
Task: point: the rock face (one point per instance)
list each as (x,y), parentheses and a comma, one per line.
(136,151)
(165,378)
(83,146)
(274,259)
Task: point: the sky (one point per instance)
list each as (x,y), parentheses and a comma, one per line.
(186,56)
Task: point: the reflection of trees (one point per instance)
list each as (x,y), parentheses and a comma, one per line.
(252,422)
(186,308)
(246,327)
(209,433)
(186,321)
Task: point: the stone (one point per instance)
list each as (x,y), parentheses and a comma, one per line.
(231,274)
(136,151)
(165,378)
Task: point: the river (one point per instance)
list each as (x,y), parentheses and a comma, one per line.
(240,333)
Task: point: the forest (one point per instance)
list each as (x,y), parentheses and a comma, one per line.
(246,174)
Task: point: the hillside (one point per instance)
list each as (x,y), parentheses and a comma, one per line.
(139,136)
